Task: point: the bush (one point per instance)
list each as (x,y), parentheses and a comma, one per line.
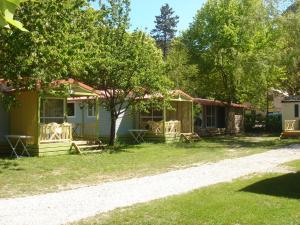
(273,123)
(249,122)
(258,122)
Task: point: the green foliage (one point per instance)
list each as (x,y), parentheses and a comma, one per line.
(249,121)
(8,101)
(165,28)
(125,65)
(52,50)
(232,42)
(289,27)
(274,123)
(7,10)
(179,69)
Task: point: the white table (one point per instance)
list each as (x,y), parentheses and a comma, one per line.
(138,135)
(19,139)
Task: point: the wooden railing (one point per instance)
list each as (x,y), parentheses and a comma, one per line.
(289,125)
(54,132)
(171,127)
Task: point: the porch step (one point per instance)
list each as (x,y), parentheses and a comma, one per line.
(189,137)
(82,147)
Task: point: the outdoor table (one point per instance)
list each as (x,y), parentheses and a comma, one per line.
(138,135)
(19,139)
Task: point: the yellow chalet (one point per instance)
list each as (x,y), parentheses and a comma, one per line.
(42,115)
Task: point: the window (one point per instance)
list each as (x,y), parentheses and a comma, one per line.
(296,110)
(71,109)
(92,109)
(152,115)
(210,116)
(52,110)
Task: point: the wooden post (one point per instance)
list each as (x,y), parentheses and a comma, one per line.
(65,110)
(164,118)
(37,138)
(97,130)
(192,117)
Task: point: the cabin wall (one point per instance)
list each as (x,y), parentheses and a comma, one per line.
(183,112)
(288,113)
(4,123)
(233,124)
(24,117)
(124,123)
(81,116)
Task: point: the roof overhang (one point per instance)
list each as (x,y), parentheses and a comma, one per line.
(212,102)
(77,89)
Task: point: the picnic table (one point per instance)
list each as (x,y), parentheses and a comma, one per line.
(138,135)
(19,140)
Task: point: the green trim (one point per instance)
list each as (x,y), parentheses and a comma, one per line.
(37,141)
(97,117)
(192,119)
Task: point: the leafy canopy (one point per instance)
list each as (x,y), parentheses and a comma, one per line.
(232,41)
(7,10)
(125,65)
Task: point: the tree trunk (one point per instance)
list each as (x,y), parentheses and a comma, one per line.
(230,127)
(112,138)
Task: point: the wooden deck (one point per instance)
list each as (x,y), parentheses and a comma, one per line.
(290,134)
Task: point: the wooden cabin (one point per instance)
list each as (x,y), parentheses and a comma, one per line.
(290,117)
(213,120)
(82,114)
(169,123)
(44,117)
(164,125)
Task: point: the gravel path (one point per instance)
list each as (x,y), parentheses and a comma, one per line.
(73,205)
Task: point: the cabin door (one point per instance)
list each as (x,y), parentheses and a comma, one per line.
(221,117)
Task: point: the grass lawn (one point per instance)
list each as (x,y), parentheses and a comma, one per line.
(271,199)
(39,175)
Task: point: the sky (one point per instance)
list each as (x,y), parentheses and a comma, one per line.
(143,12)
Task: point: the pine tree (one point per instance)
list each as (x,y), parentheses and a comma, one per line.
(165,28)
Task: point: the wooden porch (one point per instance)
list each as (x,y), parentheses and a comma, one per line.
(168,124)
(290,130)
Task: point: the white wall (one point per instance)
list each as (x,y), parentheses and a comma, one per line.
(123,124)
(288,113)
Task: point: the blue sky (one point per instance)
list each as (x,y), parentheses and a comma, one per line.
(143,12)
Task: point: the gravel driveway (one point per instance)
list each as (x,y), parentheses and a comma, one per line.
(68,206)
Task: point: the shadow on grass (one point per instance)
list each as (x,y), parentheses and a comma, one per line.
(235,142)
(122,148)
(9,165)
(287,186)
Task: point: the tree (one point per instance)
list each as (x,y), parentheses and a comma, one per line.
(179,69)
(7,10)
(53,48)
(232,42)
(126,66)
(165,28)
(289,25)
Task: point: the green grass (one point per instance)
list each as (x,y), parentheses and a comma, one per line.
(271,199)
(19,177)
